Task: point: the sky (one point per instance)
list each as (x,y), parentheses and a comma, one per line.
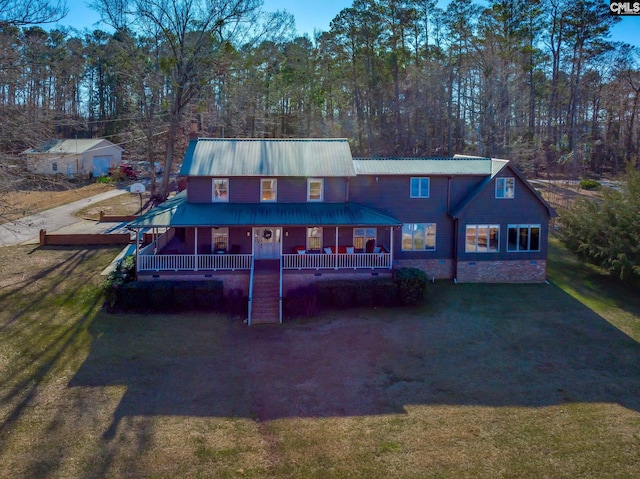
(317,15)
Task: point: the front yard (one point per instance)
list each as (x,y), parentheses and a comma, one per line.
(483,381)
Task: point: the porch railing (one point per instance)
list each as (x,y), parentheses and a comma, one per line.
(337,261)
(189,262)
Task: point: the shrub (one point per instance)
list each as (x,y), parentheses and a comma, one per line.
(343,293)
(134,297)
(385,293)
(301,302)
(160,296)
(104,179)
(364,293)
(209,295)
(589,184)
(324,293)
(412,286)
(237,303)
(184,296)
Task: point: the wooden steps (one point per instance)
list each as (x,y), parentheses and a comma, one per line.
(265,305)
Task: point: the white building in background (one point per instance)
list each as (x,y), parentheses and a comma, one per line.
(73,157)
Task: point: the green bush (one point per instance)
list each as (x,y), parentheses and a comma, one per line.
(412,286)
(301,302)
(343,293)
(385,293)
(209,295)
(589,184)
(364,293)
(324,293)
(184,296)
(134,297)
(160,296)
(104,179)
(237,303)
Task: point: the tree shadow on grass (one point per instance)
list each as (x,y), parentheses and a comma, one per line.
(489,345)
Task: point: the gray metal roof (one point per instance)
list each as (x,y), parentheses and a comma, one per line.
(268,157)
(71,146)
(177,212)
(458,165)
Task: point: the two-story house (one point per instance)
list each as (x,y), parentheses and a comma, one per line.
(267,215)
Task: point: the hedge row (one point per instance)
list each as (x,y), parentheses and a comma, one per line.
(167,296)
(408,288)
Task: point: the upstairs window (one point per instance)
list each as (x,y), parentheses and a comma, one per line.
(315,189)
(220,189)
(482,239)
(419,237)
(268,189)
(419,188)
(54,166)
(505,187)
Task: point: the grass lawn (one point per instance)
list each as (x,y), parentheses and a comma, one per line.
(483,381)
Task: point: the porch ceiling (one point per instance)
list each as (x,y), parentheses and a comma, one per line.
(177,212)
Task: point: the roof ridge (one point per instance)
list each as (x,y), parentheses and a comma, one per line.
(434,158)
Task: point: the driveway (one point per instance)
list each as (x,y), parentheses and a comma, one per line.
(61,219)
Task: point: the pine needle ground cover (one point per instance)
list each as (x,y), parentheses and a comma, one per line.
(482,381)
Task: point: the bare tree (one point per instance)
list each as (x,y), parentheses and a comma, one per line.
(30,12)
(197,36)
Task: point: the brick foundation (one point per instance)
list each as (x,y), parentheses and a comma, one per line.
(529,271)
(434,268)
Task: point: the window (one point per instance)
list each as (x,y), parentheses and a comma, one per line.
(220,239)
(505,187)
(54,166)
(363,237)
(315,189)
(419,187)
(419,237)
(523,238)
(482,239)
(314,238)
(268,189)
(220,189)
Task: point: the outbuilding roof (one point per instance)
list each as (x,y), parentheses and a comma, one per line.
(70,146)
(177,212)
(268,157)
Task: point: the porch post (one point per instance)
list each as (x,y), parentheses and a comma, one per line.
(336,258)
(137,251)
(391,243)
(195,251)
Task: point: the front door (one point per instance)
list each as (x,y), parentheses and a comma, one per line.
(267,242)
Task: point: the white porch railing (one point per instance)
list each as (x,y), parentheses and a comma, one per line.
(190,262)
(337,261)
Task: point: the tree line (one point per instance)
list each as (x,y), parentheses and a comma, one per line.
(535,81)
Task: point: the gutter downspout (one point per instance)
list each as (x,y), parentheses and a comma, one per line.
(455,231)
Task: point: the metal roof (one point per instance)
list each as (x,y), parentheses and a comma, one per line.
(177,212)
(70,146)
(458,165)
(268,157)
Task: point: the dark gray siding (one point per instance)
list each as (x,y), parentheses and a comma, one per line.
(391,194)
(524,209)
(199,189)
(247,190)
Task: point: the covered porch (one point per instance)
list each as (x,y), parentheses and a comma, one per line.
(188,237)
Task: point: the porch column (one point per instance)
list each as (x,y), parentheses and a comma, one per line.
(391,243)
(195,250)
(137,251)
(336,258)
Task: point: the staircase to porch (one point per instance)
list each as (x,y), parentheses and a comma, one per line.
(265,307)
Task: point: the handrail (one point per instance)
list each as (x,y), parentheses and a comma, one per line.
(249,304)
(280,297)
(337,261)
